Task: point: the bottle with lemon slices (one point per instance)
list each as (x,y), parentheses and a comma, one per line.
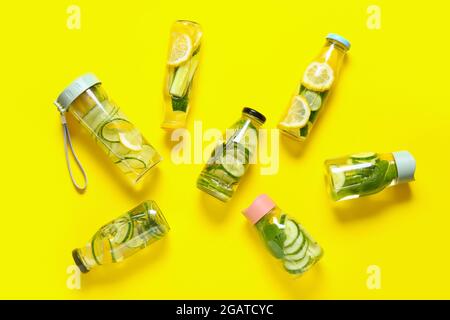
(318,80)
(182,64)
(367,173)
(88,102)
(285,238)
(229,161)
(123,237)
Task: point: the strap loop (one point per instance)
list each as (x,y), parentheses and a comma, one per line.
(67,146)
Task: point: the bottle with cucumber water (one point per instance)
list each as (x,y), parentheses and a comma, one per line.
(182,63)
(230,160)
(285,238)
(123,237)
(367,173)
(318,80)
(124,144)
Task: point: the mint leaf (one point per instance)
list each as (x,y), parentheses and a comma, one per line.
(180,104)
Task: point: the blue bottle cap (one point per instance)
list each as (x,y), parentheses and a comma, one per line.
(406,166)
(75,89)
(340,39)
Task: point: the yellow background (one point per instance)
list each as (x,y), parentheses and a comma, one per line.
(392,95)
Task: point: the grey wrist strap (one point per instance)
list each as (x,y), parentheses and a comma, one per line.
(67,146)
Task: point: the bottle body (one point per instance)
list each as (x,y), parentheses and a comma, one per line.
(230,160)
(182,64)
(114,133)
(360,175)
(123,237)
(318,80)
(285,238)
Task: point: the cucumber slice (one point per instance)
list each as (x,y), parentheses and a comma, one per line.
(135,163)
(297,267)
(111,251)
(135,242)
(193,68)
(292,231)
(338,178)
(223,175)
(101,248)
(94,117)
(118,150)
(296,256)
(315,251)
(99,114)
(296,246)
(96,252)
(146,154)
(123,230)
(111,129)
(233,165)
(364,156)
(124,167)
(181,80)
(283,218)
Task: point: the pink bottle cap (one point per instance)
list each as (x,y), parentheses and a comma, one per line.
(259,208)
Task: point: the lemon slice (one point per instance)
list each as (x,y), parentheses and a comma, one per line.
(131,139)
(192,29)
(198,39)
(318,77)
(181,49)
(298,114)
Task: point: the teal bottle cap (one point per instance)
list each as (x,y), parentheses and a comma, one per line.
(75,89)
(340,39)
(406,166)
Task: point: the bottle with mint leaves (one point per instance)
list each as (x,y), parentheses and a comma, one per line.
(285,238)
(367,173)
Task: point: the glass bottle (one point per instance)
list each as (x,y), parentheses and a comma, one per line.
(285,238)
(230,161)
(182,63)
(318,81)
(123,237)
(124,144)
(367,173)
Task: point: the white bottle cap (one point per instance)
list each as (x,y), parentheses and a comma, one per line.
(406,166)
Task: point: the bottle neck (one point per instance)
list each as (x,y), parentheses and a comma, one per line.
(333,53)
(82,260)
(257,123)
